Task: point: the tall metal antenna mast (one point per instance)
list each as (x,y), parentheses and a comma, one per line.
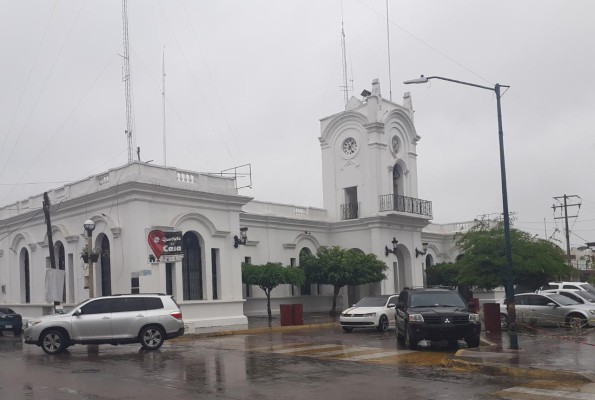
(163,99)
(390,82)
(126,78)
(344,50)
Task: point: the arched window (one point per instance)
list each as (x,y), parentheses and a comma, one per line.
(25,277)
(192,267)
(106,268)
(61,263)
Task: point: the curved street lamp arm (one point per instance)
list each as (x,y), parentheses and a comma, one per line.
(424,79)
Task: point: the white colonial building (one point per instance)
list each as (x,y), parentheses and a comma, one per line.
(369,167)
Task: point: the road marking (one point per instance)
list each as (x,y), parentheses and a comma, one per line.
(304,349)
(376,356)
(334,351)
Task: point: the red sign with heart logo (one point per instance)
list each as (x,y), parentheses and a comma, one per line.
(157,242)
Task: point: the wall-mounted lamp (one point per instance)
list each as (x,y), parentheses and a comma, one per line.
(388,251)
(242,239)
(421,252)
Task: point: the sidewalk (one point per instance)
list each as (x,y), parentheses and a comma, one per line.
(542,354)
(557,354)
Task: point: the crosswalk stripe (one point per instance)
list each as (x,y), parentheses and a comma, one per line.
(298,350)
(560,394)
(363,357)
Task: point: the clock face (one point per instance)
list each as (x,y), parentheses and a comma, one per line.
(394,144)
(349,146)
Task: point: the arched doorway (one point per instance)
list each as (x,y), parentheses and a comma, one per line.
(399,273)
(106,267)
(397,181)
(25,276)
(192,267)
(306,288)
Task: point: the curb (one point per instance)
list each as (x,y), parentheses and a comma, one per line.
(475,363)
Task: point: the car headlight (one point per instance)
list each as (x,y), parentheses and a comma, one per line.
(31,323)
(473,317)
(370,314)
(416,318)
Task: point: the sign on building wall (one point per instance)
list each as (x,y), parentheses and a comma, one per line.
(165,244)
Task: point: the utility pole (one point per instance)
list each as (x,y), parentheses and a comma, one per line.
(48,223)
(565,217)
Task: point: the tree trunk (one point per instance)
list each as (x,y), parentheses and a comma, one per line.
(268,293)
(335,294)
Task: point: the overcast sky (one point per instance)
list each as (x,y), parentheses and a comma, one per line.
(248,81)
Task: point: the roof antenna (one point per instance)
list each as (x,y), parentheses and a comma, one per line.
(130,136)
(163,100)
(390,84)
(346,87)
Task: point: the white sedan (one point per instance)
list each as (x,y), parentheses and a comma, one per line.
(370,312)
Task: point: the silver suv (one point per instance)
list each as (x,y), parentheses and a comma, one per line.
(147,319)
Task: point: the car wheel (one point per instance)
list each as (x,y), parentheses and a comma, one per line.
(453,344)
(503,321)
(17,331)
(472,342)
(576,321)
(152,337)
(383,324)
(53,342)
(347,329)
(410,340)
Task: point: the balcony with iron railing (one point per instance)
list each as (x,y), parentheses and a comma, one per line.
(350,211)
(395,202)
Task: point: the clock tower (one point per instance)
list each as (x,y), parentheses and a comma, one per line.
(369,158)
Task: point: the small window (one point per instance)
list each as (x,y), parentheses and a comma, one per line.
(134,285)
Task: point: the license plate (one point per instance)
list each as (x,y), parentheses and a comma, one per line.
(8,326)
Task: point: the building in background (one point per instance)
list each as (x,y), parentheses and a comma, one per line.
(369,170)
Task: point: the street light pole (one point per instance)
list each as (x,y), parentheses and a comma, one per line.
(509,284)
(89,226)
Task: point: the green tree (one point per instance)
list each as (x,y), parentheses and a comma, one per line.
(339,267)
(442,274)
(534,261)
(269,276)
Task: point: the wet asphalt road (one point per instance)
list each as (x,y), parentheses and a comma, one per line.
(311,364)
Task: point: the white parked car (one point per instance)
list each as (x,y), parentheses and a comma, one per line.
(584,286)
(370,312)
(549,309)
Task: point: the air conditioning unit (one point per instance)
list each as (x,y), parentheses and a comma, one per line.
(3,288)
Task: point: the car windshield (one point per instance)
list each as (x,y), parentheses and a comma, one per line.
(562,300)
(372,302)
(6,311)
(590,297)
(432,299)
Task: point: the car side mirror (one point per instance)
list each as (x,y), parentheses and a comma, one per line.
(391,305)
(77,312)
(552,305)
